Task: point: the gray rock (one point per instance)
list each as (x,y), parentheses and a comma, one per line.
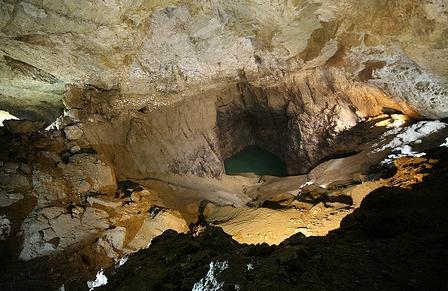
(47,187)
(11,167)
(73,132)
(52,212)
(43,226)
(14,181)
(51,156)
(25,168)
(5,227)
(75,149)
(86,173)
(113,241)
(7,199)
(154,226)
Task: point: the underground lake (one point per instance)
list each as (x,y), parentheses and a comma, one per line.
(253,159)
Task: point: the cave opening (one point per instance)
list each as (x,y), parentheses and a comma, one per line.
(253,159)
(253,139)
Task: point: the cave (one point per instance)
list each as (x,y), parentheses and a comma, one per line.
(253,159)
(250,138)
(223,145)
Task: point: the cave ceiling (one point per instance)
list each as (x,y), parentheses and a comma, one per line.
(157,52)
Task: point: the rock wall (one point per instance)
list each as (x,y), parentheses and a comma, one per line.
(178,139)
(300,117)
(56,198)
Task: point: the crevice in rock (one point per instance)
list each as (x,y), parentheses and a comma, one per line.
(369,67)
(30,71)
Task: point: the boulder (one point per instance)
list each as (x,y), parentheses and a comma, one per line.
(14,181)
(25,168)
(52,229)
(87,173)
(315,194)
(48,187)
(75,149)
(5,227)
(73,132)
(7,199)
(155,226)
(112,242)
(11,167)
(104,201)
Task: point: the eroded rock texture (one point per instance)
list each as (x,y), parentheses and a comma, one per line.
(300,117)
(150,50)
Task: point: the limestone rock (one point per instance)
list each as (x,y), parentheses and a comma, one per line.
(11,167)
(50,229)
(73,132)
(51,157)
(48,187)
(112,242)
(54,180)
(14,181)
(75,149)
(25,168)
(318,210)
(5,227)
(7,199)
(87,173)
(104,201)
(148,78)
(315,194)
(218,123)
(154,226)
(255,225)
(170,46)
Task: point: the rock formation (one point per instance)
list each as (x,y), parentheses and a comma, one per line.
(120,115)
(145,68)
(385,238)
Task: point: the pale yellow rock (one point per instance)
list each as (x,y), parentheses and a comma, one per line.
(154,226)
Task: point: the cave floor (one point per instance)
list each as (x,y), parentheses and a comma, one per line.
(396,240)
(330,205)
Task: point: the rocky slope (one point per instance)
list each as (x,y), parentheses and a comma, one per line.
(395,240)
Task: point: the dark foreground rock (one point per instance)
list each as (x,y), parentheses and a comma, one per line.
(395,241)
(23,126)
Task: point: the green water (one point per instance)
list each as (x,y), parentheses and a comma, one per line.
(255,160)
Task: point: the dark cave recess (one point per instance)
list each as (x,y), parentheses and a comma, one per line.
(253,159)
